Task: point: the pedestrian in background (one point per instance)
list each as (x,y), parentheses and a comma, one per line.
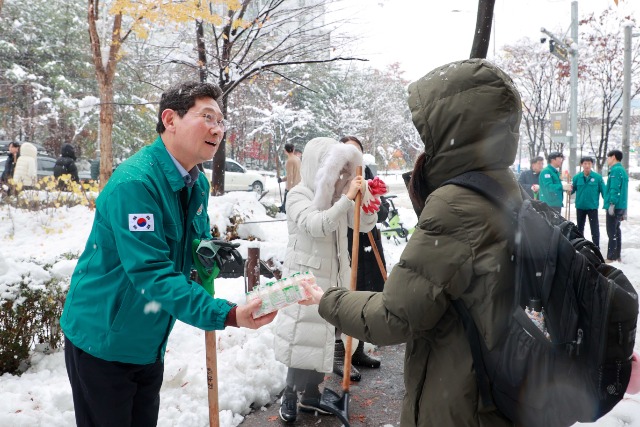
(10,164)
(529,179)
(615,203)
(66,165)
(292,172)
(552,188)
(588,186)
(26,169)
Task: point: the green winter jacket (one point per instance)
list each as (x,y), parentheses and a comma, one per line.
(131,282)
(551,187)
(460,249)
(588,190)
(617,187)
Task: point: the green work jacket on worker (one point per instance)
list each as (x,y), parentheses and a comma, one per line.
(617,187)
(551,187)
(131,282)
(588,190)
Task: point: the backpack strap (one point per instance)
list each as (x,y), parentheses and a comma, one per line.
(491,190)
(473,336)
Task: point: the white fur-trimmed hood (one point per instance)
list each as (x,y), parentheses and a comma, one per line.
(327,168)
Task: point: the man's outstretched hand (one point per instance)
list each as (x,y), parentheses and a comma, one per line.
(245,319)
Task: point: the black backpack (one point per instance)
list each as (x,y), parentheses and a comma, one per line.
(590,309)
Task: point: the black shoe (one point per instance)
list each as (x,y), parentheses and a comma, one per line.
(310,401)
(360,358)
(289,405)
(338,363)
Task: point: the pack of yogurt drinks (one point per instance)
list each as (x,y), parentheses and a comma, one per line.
(281,293)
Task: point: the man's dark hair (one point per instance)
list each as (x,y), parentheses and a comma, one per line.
(554,155)
(14,144)
(586,159)
(536,159)
(346,139)
(616,153)
(181,97)
(288,147)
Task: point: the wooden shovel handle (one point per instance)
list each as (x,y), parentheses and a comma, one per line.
(355,250)
(383,270)
(212,378)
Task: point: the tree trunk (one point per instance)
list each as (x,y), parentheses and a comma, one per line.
(202,55)
(105,73)
(217,170)
(482,35)
(106,128)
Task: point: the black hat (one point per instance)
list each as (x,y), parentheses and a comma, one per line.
(554,154)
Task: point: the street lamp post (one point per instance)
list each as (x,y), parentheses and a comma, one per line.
(569,53)
(626,95)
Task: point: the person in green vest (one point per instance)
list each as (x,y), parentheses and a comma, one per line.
(588,186)
(132,282)
(552,188)
(615,203)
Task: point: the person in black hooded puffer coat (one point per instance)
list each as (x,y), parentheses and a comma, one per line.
(66,164)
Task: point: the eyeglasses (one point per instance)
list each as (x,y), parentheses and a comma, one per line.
(210,120)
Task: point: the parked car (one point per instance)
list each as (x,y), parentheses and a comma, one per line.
(237,177)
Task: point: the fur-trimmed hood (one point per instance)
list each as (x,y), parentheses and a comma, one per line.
(328,166)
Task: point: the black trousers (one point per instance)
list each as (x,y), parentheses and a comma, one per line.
(284,202)
(112,394)
(300,379)
(582,215)
(615,236)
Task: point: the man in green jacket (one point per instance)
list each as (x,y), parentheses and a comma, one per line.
(552,188)
(131,282)
(615,203)
(588,186)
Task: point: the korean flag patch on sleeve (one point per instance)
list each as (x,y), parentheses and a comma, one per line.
(141,222)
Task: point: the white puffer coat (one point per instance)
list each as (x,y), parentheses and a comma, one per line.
(26,171)
(318,215)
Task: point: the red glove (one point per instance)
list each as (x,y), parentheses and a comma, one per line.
(372,206)
(377,186)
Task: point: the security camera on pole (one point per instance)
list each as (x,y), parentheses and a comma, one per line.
(569,52)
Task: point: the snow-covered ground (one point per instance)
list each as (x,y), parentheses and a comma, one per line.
(247,371)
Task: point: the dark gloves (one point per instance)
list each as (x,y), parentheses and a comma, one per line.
(212,252)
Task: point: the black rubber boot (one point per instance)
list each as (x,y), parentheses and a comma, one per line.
(289,405)
(360,358)
(338,363)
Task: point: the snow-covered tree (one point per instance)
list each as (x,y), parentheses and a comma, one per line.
(602,56)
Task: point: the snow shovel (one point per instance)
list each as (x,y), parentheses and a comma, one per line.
(331,401)
(205,277)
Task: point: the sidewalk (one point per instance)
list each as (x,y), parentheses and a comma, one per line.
(375,401)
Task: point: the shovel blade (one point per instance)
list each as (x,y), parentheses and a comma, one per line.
(337,405)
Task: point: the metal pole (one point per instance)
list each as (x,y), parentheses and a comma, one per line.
(574,89)
(626,97)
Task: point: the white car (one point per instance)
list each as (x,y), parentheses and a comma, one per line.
(237,177)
